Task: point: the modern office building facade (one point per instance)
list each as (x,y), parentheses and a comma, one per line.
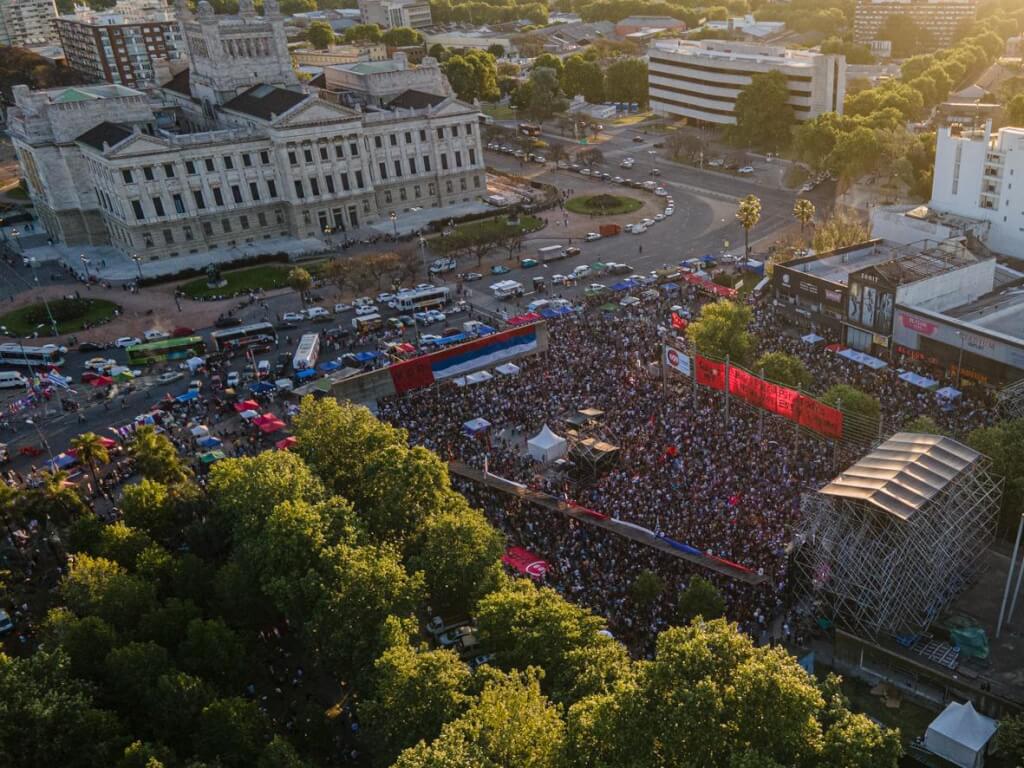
(221,163)
(939,18)
(700,80)
(27,22)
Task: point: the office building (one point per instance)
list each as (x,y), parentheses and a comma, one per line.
(386,14)
(119,47)
(700,80)
(213,160)
(939,18)
(27,22)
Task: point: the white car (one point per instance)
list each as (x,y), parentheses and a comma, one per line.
(558,279)
(154,335)
(99,364)
(659,217)
(363,301)
(263,368)
(585,171)
(661,192)
(384,298)
(341,307)
(580,272)
(169,376)
(365,309)
(592,236)
(670,211)
(646,222)
(638,229)
(435,316)
(746,169)
(126,341)
(233,380)
(429,338)
(293,317)
(627,162)
(716,163)
(317,312)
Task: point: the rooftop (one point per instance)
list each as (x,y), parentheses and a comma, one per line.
(371,67)
(413,99)
(899,264)
(105,133)
(265,101)
(732,51)
(1001,312)
(904,473)
(650,21)
(88,93)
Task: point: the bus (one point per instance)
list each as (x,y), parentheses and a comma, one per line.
(243,336)
(426,298)
(367,323)
(307,351)
(529,129)
(49,356)
(166,350)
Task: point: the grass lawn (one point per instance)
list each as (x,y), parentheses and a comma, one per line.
(71,315)
(603,205)
(266,276)
(498,112)
(474,228)
(632,119)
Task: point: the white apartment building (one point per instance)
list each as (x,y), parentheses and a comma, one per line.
(975,175)
(216,161)
(700,79)
(940,18)
(27,22)
(414,14)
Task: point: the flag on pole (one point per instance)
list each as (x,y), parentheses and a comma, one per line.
(678,322)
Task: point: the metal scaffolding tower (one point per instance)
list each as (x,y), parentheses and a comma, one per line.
(885,546)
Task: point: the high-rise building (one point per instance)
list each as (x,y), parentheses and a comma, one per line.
(939,18)
(700,80)
(120,46)
(27,22)
(386,14)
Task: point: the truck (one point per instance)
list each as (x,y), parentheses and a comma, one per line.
(307,351)
(551,253)
(507,289)
(609,230)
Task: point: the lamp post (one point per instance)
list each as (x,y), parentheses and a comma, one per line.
(85,263)
(42,439)
(33,262)
(394,222)
(960,359)
(138,263)
(423,255)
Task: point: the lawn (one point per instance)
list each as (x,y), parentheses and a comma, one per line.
(632,119)
(71,315)
(266,277)
(500,223)
(603,205)
(498,112)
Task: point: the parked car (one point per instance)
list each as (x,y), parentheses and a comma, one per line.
(341,307)
(591,236)
(293,317)
(558,279)
(440,266)
(181,331)
(407,321)
(91,346)
(233,380)
(126,341)
(469,277)
(452,636)
(314,313)
(169,376)
(154,335)
(638,139)
(385,297)
(99,363)
(746,169)
(528,263)
(500,269)
(580,272)
(227,321)
(436,316)
(595,288)
(365,309)
(572,250)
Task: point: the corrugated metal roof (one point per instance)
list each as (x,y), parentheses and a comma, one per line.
(904,473)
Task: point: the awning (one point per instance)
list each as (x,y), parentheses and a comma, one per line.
(194,362)
(625,285)
(405,348)
(812,338)
(365,357)
(189,396)
(288,442)
(859,357)
(272,425)
(948,393)
(211,456)
(476,426)
(330,365)
(61,461)
(305,373)
(479,377)
(209,441)
(508,369)
(200,431)
(247,405)
(250,414)
(528,317)
(918,381)
(259,387)
(599,266)
(670,287)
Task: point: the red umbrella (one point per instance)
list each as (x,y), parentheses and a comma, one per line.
(101,381)
(247,405)
(271,425)
(288,442)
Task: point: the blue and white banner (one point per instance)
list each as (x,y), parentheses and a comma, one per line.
(676,360)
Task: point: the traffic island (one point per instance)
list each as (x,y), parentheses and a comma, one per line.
(603,205)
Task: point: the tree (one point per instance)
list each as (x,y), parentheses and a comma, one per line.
(720,330)
(156,457)
(855,153)
(924,425)
(905,34)
(438,52)
(646,588)
(1004,445)
(496,50)
(1010,738)
(700,598)
(783,369)
(320,35)
(748,214)
(363,33)
(803,211)
(85,641)
(99,587)
(545,95)
(582,77)
(89,450)
(1015,110)
(401,37)
(549,61)
(473,75)
(131,674)
(212,651)
(232,731)
(300,281)
(459,553)
(512,724)
(841,230)
(764,118)
(145,755)
(177,704)
(859,407)
(626,80)
(415,692)
(590,157)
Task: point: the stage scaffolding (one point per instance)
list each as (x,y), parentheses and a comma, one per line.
(884,547)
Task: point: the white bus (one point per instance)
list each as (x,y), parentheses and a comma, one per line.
(425,298)
(367,323)
(50,356)
(307,351)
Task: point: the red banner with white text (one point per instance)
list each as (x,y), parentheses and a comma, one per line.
(710,373)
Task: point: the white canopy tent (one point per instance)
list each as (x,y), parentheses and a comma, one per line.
(479,377)
(960,735)
(508,369)
(546,446)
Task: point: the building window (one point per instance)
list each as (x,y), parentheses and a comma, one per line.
(383,170)
(169,170)
(158,206)
(322,218)
(314,186)
(236,194)
(377,142)
(476,182)
(353,148)
(432,189)
(305,217)
(359,179)
(271,188)
(209,165)
(208,229)
(147,239)
(412,166)
(225,225)
(190,168)
(402,195)
(469,129)
(179,204)
(188,232)
(168,237)
(472,157)
(344,182)
(398,168)
(261,217)
(265,157)
(299,191)
(198,195)
(408,137)
(247,160)
(444,161)
(126,174)
(218,198)
(243,222)
(147,172)
(366,206)
(254,190)
(458,159)
(339,151)
(448,186)
(323,153)
(137,208)
(462,183)
(455,131)
(279,215)
(440,132)
(307,155)
(387,195)
(329,182)
(416,191)
(292,160)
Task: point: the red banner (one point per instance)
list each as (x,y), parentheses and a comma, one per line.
(746,386)
(823,419)
(781,400)
(710,373)
(525,562)
(412,374)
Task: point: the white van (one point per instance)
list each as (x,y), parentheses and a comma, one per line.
(12,379)
(317,312)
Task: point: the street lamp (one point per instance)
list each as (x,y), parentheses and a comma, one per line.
(423,254)
(138,263)
(33,262)
(394,221)
(42,439)
(960,359)
(85,263)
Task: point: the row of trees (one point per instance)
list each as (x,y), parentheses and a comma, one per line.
(482,12)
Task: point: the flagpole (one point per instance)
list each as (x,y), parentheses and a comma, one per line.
(726,392)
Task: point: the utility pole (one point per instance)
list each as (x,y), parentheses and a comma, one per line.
(727,392)
(1009,576)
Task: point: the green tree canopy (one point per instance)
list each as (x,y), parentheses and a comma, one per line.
(320,35)
(784,369)
(748,214)
(363,33)
(721,329)
(401,37)
(473,75)
(700,598)
(582,77)
(839,231)
(156,457)
(764,118)
(1004,445)
(626,80)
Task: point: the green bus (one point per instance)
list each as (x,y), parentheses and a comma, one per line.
(181,348)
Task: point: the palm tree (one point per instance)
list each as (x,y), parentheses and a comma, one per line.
(157,457)
(748,214)
(89,450)
(803,211)
(300,281)
(56,498)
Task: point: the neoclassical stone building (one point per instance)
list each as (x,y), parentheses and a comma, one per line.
(234,151)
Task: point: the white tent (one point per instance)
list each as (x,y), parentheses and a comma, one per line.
(547,446)
(200,431)
(479,377)
(508,369)
(195,362)
(960,735)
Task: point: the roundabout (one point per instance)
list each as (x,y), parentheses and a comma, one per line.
(603,204)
